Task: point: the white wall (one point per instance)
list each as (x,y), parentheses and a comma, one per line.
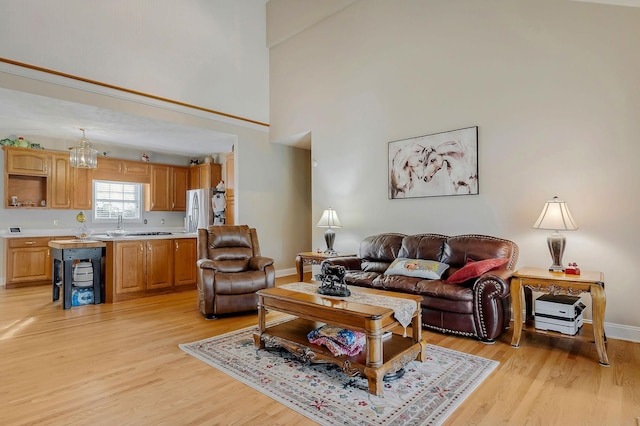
(552,85)
(210,53)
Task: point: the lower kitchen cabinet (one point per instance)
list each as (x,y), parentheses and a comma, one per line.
(159,264)
(28,261)
(184,262)
(127,263)
(141,268)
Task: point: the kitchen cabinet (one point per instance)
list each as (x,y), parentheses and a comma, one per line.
(127,267)
(27,161)
(82,184)
(179,184)
(28,261)
(119,170)
(159,264)
(26,177)
(60,188)
(230,188)
(184,261)
(139,268)
(206,175)
(167,190)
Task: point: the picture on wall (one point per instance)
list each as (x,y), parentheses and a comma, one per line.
(434,165)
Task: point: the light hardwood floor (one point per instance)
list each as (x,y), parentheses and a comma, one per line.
(120,365)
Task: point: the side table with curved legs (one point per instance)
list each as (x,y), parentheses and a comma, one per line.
(542,280)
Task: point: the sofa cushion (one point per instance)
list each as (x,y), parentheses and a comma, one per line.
(423,246)
(381,248)
(421,268)
(460,248)
(474,269)
(400,283)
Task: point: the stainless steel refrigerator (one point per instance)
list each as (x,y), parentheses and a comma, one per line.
(205,207)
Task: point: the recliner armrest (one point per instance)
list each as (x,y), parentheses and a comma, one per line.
(207,264)
(258,263)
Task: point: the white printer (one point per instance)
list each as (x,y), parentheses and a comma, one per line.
(560,313)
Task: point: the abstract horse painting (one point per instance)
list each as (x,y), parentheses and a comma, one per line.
(434,165)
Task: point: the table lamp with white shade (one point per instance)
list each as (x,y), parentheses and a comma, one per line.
(329,220)
(556,216)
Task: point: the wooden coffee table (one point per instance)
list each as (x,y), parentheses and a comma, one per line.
(381,356)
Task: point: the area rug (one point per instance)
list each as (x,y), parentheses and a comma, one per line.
(426,394)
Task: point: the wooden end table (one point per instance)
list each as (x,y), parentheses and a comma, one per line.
(381,355)
(313,258)
(542,280)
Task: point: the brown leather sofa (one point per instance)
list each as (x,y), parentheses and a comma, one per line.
(231,270)
(479,306)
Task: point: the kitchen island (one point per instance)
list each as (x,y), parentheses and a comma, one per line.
(146,264)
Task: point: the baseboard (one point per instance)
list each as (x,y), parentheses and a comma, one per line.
(286,272)
(620,331)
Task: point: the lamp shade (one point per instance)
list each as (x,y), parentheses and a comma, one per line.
(555,216)
(329,219)
(83,155)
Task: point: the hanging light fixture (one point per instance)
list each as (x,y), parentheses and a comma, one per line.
(83,155)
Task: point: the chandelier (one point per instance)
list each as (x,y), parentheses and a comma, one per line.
(83,155)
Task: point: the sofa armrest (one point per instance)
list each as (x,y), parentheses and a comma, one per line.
(206,264)
(258,263)
(351,263)
(491,303)
(500,276)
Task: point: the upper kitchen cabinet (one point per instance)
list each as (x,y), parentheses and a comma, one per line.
(206,175)
(26,161)
(26,177)
(122,170)
(61,179)
(229,167)
(167,190)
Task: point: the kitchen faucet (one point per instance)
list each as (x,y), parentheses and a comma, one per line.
(119,221)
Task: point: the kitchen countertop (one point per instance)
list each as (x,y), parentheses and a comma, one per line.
(100,234)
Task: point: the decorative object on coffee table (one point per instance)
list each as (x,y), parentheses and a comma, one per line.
(332,279)
(556,217)
(329,220)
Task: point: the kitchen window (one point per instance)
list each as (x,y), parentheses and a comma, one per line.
(112,199)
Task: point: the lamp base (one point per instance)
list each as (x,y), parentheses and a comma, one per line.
(556,243)
(329,238)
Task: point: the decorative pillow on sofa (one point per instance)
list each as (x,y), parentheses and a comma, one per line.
(474,269)
(420,268)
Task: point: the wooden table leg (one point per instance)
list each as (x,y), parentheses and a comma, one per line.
(416,329)
(599,302)
(300,268)
(262,324)
(516,303)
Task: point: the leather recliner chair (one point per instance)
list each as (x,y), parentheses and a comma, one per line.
(231,270)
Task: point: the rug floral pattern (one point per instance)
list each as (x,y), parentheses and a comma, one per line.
(426,394)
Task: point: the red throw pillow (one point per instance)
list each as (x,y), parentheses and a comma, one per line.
(474,269)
